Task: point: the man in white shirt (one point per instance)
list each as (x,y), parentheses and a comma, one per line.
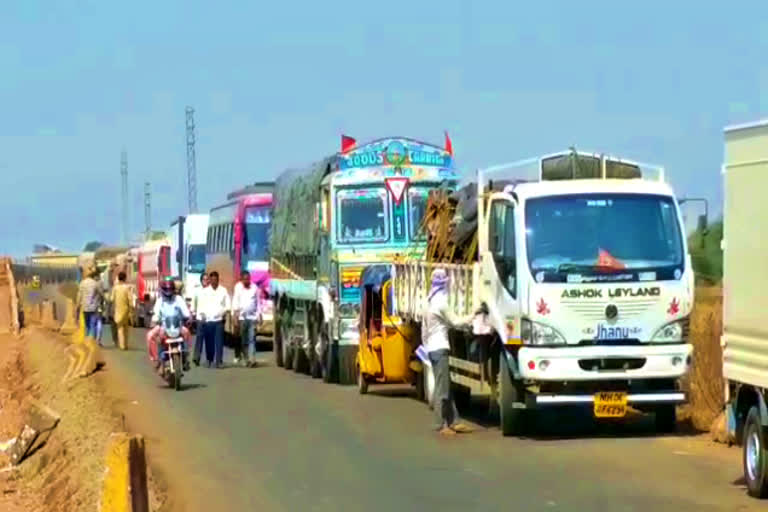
(246,308)
(205,282)
(214,304)
(438,320)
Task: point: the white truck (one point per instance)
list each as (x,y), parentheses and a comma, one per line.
(187,236)
(745,278)
(587,284)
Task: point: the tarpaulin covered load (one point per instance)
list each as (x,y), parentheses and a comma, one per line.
(297,191)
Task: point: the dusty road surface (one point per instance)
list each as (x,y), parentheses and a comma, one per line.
(268,439)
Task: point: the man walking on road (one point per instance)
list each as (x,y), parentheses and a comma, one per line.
(438,320)
(123,309)
(89,299)
(205,282)
(214,305)
(246,309)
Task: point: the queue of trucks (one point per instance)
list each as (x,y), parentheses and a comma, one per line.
(575,267)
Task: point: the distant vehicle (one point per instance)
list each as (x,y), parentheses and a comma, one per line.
(745,331)
(187,237)
(154,264)
(238,240)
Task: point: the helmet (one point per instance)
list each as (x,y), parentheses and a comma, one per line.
(167,288)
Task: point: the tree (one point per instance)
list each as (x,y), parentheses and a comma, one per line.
(706,253)
(92,246)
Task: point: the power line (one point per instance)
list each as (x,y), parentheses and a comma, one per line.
(147,210)
(124,178)
(191,162)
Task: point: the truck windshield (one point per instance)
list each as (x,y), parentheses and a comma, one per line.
(196,258)
(256,240)
(363,215)
(603,234)
(417,209)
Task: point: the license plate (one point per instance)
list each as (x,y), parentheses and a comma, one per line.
(610,404)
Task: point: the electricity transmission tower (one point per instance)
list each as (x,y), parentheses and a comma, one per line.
(191,164)
(124,178)
(147,210)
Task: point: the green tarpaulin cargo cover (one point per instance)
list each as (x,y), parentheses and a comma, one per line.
(296,193)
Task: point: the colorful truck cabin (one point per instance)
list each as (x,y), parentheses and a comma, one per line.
(361,206)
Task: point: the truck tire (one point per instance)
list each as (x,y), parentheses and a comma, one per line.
(277,343)
(512,420)
(755,455)
(328,356)
(666,418)
(421,393)
(347,364)
(287,349)
(462,397)
(300,360)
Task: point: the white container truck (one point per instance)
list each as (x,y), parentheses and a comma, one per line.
(745,279)
(587,281)
(187,236)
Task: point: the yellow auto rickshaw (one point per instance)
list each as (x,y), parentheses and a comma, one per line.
(387,343)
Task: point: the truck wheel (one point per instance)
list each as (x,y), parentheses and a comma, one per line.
(462,397)
(755,455)
(277,344)
(287,349)
(316,369)
(327,363)
(421,394)
(347,361)
(300,362)
(666,419)
(512,420)
(362,384)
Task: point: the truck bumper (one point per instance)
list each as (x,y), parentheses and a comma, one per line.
(663,397)
(602,363)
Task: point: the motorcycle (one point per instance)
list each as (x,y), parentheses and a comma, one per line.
(172,359)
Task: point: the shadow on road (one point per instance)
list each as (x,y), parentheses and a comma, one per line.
(570,423)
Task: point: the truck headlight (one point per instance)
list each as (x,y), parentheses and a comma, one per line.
(534,333)
(673,332)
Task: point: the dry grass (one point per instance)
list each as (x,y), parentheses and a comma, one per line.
(706,379)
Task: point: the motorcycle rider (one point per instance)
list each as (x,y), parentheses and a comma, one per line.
(168,304)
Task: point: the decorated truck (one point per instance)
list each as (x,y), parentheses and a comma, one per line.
(361,206)
(579,272)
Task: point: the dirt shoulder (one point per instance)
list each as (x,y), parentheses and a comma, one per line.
(66,469)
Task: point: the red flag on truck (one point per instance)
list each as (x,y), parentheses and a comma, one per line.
(448,145)
(347,143)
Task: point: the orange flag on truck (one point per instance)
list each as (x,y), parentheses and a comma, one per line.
(606,260)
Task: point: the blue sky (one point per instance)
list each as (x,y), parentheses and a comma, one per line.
(274,84)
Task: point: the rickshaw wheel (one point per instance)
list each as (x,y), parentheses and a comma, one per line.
(362,383)
(421,391)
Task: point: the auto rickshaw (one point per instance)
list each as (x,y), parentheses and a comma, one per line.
(387,343)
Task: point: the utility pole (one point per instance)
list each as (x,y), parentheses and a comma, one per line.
(147,210)
(191,163)
(124,178)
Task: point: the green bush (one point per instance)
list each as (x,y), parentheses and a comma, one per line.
(706,253)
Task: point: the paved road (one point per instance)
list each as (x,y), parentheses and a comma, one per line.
(268,439)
